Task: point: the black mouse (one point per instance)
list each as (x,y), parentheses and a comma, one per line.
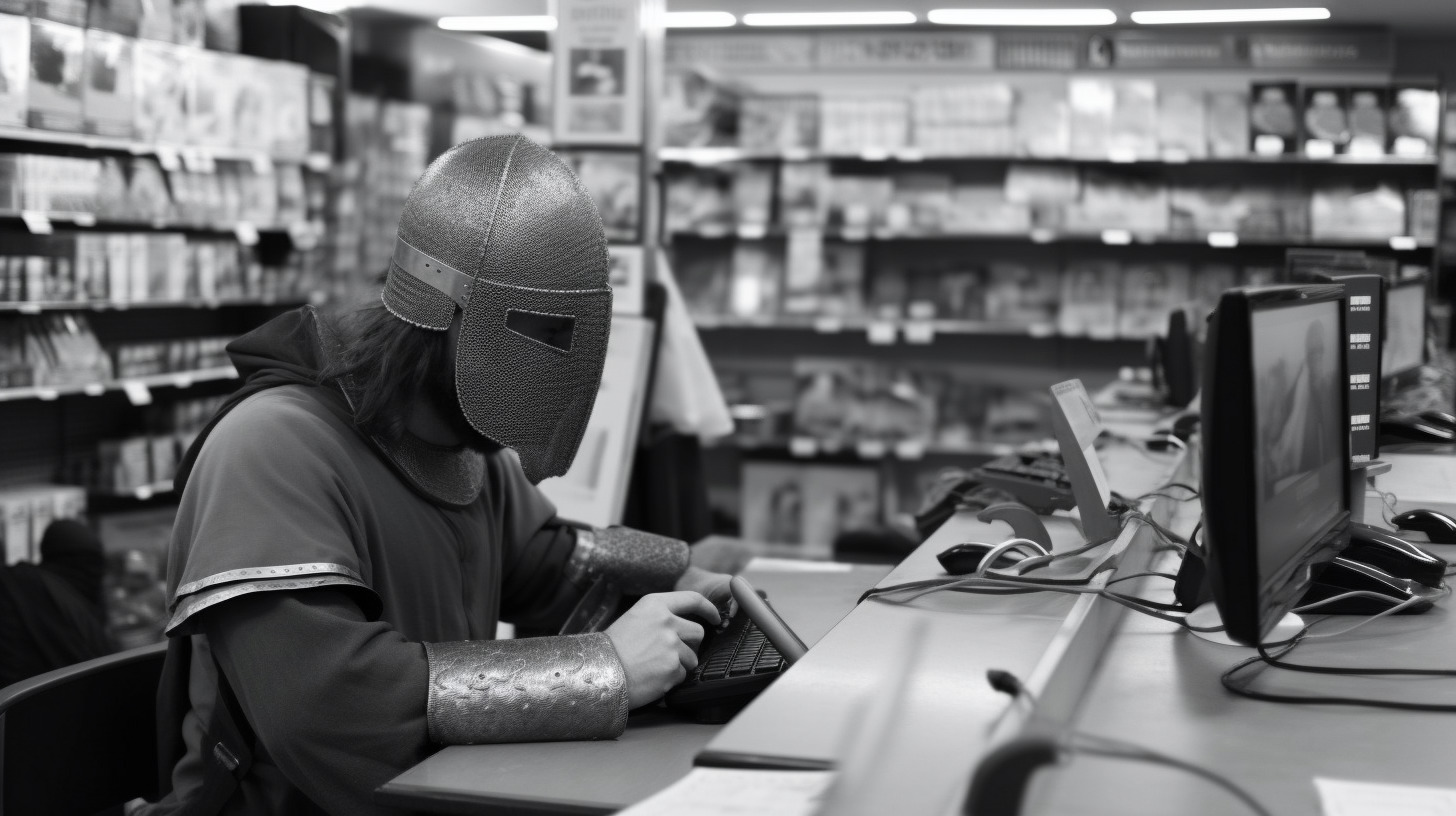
(964,559)
(1393,554)
(1439,418)
(1438,527)
(1343,575)
(1397,431)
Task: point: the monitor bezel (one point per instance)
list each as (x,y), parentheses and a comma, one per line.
(1403,378)
(1251,604)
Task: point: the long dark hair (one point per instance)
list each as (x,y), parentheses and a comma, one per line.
(388,364)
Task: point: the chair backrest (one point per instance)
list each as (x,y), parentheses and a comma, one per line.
(83,738)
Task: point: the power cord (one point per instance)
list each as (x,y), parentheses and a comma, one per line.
(1074,742)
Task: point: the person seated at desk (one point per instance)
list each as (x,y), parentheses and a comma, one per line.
(52,614)
(361,513)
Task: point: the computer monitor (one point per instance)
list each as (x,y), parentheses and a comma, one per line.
(1175,360)
(1403,351)
(1275,450)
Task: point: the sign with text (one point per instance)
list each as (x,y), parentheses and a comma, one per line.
(598,72)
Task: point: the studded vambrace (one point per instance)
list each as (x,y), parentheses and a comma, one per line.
(639,562)
(571,687)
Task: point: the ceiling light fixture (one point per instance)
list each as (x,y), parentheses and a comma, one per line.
(829,18)
(700,19)
(1256,15)
(1023,17)
(520,22)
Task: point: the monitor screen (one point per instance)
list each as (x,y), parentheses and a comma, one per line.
(1275,447)
(1300,427)
(1405,334)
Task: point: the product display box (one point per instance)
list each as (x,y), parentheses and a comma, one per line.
(774,124)
(70,12)
(106,96)
(117,16)
(1369,135)
(1182,123)
(1326,121)
(14,70)
(56,69)
(1228,124)
(162,79)
(1273,118)
(1414,121)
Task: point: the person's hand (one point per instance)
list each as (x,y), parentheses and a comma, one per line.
(657,644)
(711,585)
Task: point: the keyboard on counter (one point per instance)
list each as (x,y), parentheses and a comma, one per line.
(1038,481)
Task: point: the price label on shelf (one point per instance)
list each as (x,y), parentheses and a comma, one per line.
(94,389)
(797,154)
(1116,237)
(168,158)
(182,381)
(1403,243)
(920,331)
(752,232)
(804,446)
(28,308)
(144,492)
(857,233)
(1223,239)
(1411,147)
(881,333)
(871,449)
(910,449)
(1042,235)
(1268,145)
(1319,149)
(829,324)
(1175,155)
(874,154)
(1122,155)
(137,392)
(1042,330)
(37,222)
(319,161)
(246,232)
(303,235)
(910,154)
(84,219)
(47,394)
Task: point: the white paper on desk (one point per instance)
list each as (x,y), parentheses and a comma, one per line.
(738,792)
(766,564)
(1340,797)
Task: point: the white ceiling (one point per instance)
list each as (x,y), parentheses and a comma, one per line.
(1407,15)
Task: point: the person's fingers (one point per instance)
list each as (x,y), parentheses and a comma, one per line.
(685,602)
(687,657)
(689,632)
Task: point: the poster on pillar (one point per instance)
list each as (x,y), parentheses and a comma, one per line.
(597,48)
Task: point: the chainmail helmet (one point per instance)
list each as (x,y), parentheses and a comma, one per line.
(502,230)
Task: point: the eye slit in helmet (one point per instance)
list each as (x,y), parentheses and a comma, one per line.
(549,329)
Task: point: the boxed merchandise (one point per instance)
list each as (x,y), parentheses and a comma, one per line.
(70,12)
(773,124)
(162,79)
(148,193)
(1228,124)
(705,280)
(1367,121)
(842,270)
(211,99)
(253,103)
(758,271)
(1182,125)
(1274,212)
(288,108)
(156,21)
(19,8)
(1423,216)
(1124,201)
(116,16)
(1042,184)
(1043,122)
(14,70)
(697,201)
(1149,292)
(56,52)
(221,22)
(1022,295)
(961,294)
(889,289)
(802,189)
(1134,131)
(188,26)
(920,203)
(1326,125)
(803,272)
(858,204)
(827,402)
(773,502)
(974,119)
(107,94)
(1414,121)
(1089,299)
(1207,284)
(983,209)
(752,202)
(1273,120)
(1093,102)
(613,181)
(1195,211)
(1348,212)
(852,124)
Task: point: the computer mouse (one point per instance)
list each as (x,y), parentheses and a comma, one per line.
(1396,431)
(1440,419)
(964,559)
(1393,554)
(1438,527)
(1343,575)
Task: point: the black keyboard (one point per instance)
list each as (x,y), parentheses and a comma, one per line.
(735,662)
(1038,481)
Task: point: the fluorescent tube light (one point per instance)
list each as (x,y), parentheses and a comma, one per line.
(829,18)
(520,22)
(700,19)
(1255,15)
(1023,17)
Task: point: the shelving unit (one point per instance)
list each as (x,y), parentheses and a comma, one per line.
(133,387)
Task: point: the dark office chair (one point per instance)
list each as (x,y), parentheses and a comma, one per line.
(81,740)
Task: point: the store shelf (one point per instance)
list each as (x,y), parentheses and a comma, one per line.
(139,493)
(35,221)
(120,306)
(1108,237)
(882,331)
(184,153)
(130,385)
(711,156)
(811,449)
